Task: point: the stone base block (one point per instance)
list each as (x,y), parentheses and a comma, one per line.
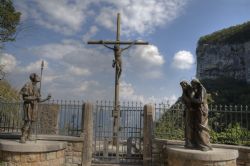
(40,153)
(179,156)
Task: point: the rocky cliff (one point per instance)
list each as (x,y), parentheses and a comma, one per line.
(225,54)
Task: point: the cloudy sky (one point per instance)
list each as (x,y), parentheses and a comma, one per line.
(57,32)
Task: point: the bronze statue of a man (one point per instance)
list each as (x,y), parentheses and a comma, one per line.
(31,97)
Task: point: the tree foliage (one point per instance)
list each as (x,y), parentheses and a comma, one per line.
(234,134)
(170,126)
(7,92)
(9,20)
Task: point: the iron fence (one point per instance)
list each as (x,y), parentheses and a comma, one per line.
(129,149)
(54,117)
(10,117)
(228,124)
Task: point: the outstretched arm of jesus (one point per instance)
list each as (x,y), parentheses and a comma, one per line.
(107,45)
(129,45)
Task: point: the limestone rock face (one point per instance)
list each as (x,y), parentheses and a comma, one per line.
(216,60)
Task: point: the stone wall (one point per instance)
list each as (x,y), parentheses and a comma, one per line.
(160,155)
(48,119)
(74,147)
(73,153)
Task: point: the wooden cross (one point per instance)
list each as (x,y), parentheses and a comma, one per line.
(117,63)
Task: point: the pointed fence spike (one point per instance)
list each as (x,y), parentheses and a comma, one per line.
(235,107)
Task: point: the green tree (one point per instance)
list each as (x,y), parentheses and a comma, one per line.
(7,92)
(9,20)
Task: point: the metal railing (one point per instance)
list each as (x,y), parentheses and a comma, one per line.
(10,117)
(228,124)
(54,117)
(168,121)
(129,149)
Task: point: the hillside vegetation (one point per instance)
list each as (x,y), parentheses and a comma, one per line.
(232,35)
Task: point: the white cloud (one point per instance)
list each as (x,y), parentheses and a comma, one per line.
(77,71)
(75,61)
(84,86)
(147,55)
(49,78)
(147,61)
(63,16)
(183,60)
(128,93)
(73,53)
(8,61)
(63,11)
(56,51)
(62,20)
(139,16)
(153,74)
(82,72)
(33,67)
(92,31)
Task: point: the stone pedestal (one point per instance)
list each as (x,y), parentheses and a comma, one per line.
(179,156)
(40,153)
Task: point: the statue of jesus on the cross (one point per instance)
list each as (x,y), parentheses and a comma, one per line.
(117,62)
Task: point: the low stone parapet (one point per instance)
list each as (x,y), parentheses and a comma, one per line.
(160,154)
(180,156)
(39,153)
(74,146)
(244,153)
(73,150)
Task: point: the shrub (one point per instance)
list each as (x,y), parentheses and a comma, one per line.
(234,134)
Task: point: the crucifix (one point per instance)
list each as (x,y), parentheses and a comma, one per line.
(117,64)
